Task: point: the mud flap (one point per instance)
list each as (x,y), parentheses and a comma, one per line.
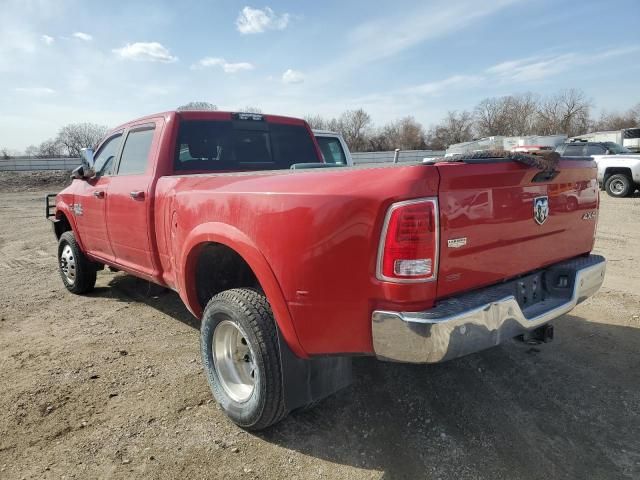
(307,381)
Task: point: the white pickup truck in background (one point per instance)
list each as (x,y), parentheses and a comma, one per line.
(618,168)
(333,147)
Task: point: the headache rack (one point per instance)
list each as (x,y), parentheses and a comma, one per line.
(50,207)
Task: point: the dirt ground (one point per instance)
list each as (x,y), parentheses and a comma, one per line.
(110,385)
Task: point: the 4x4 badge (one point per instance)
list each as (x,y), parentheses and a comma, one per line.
(541,209)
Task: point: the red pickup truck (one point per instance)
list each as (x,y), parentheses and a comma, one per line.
(294,269)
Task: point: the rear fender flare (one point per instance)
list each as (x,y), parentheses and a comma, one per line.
(215,232)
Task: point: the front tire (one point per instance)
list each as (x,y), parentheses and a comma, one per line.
(241,356)
(619,185)
(77,272)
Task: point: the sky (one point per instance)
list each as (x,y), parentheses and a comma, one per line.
(65,61)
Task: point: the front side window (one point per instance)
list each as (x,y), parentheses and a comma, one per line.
(104,160)
(135,154)
(332,150)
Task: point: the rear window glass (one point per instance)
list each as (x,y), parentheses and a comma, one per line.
(573,151)
(217,145)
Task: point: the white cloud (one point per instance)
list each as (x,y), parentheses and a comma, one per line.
(85,37)
(512,72)
(47,39)
(254,20)
(227,67)
(538,67)
(385,37)
(237,67)
(433,88)
(145,51)
(35,91)
(292,76)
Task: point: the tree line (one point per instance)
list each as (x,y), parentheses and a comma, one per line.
(566,112)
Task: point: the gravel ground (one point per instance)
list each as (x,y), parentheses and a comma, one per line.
(111,386)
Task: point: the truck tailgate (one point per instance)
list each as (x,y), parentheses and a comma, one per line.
(489,232)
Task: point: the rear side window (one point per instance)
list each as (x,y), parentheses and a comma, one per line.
(573,151)
(217,145)
(332,150)
(135,153)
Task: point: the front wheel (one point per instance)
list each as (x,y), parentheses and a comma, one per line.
(240,354)
(619,185)
(77,272)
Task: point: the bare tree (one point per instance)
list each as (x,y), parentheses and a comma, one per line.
(492,116)
(618,120)
(455,128)
(198,106)
(635,111)
(523,110)
(5,154)
(510,115)
(566,112)
(316,121)
(50,148)
(31,151)
(76,136)
(355,126)
(406,134)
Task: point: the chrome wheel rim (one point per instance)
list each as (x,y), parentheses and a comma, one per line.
(617,186)
(233,360)
(68,264)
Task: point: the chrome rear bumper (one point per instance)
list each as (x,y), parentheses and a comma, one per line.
(478,320)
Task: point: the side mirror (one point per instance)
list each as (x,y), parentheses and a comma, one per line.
(78,173)
(86,155)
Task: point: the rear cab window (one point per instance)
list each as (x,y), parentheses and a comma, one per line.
(243,143)
(573,150)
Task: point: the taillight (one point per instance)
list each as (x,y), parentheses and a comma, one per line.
(409,243)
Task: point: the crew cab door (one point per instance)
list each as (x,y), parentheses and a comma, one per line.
(129,202)
(89,207)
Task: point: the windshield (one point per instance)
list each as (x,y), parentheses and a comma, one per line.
(616,149)
(215,145)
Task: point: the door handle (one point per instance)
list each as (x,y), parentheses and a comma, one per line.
(137,195)
(98,193)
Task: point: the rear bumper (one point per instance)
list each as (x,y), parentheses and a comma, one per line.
(478,320)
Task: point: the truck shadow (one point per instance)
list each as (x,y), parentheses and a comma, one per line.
(569,409)
(127,288)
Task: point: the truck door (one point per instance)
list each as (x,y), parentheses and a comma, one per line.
(90,202)
(129,202)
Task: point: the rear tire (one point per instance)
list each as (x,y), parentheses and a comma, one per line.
(77,272)
(619,185)
(241,356)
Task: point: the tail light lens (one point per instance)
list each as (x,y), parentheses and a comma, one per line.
(409,243)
